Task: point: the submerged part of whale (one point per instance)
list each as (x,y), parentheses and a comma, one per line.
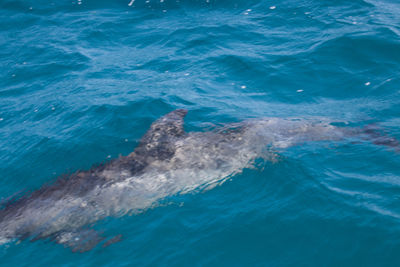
(167,161)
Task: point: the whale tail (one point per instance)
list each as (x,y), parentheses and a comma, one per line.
(378,136)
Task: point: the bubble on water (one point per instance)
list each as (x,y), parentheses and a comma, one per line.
(272,7)
(243,86)
(367,83)
(53,108)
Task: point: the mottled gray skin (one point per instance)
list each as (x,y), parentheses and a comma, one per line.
(167,162)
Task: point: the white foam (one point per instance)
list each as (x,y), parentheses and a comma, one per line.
(4,240)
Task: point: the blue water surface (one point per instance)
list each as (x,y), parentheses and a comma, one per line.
(81,81)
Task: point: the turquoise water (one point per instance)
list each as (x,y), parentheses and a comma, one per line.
(81,82)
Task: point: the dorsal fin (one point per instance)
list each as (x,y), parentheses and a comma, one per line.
(156,142)
(168,125)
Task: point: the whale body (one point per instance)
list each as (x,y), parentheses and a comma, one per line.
(167,161)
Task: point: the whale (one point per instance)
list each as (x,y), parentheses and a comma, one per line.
(167,161)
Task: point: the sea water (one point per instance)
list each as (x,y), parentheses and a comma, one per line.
(81,81)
